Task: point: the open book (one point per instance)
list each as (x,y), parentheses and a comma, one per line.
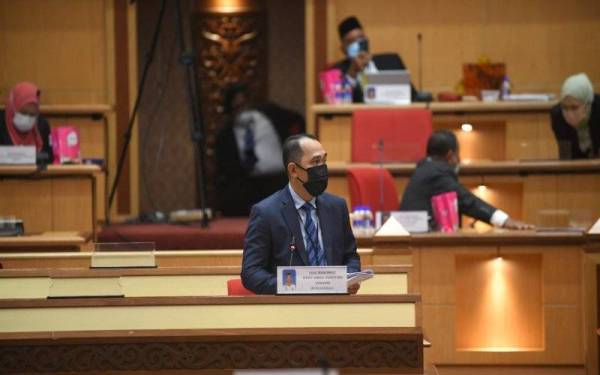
(358,277)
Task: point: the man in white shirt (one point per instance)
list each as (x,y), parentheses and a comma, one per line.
(248,150)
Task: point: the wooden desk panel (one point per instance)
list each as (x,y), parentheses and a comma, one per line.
(60,198)
(563,315)
(526,190)
(501,130)
(377,333)
(353,350)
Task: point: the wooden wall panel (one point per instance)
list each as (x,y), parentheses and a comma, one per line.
(581,196)
(338,133)
(72,205)
(30,201)
(67,47)
(541,41)
(530,137)
(63,49)
(485,142)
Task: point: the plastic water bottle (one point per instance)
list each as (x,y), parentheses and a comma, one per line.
(505,88)
(362,221)
(347,96)
(338,90)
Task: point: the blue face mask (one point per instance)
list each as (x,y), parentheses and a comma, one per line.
(356,47)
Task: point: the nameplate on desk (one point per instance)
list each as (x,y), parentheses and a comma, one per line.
(412,221)
(312,280)
(17,155)
(387,94)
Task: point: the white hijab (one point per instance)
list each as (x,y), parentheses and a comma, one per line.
(579,87)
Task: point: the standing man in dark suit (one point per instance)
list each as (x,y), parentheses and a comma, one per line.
(437,174)
(359,61)
(299,225)
(248,150)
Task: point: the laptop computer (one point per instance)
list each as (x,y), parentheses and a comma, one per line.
(387,87)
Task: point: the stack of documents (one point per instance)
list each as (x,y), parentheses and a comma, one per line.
(358,277)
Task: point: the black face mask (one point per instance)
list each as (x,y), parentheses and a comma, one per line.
(317,179)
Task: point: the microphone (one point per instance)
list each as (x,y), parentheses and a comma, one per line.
(381,148)
(292,249)
(420,59)
(292,245)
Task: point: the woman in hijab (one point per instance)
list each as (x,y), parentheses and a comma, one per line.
(20,123)
(576,119)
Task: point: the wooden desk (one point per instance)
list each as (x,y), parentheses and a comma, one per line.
(551,275)
(91,121)
(534,191)
(501,130)
(46,241)
(33,280)
(508,302)
(59,198)
(211,334)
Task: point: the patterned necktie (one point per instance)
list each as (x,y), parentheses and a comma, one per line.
(316,255)
(250,158)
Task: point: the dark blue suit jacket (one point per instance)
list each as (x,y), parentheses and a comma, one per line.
(275,224)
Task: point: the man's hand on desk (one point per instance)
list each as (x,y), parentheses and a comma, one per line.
(358,63)
(353,289)
(517,225)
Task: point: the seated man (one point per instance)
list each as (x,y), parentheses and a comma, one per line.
(358,60)
(299,225)
(248,150)
(437,174)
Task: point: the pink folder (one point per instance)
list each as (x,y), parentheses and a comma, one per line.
(65,145)
(445,211)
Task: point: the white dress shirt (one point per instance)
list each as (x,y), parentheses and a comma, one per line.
(298,203)
(267,145)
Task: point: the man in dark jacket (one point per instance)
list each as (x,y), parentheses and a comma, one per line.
(359,61)
(248,150)
(437,174)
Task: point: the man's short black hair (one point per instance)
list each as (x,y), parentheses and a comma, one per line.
(440,142)
(347,25)
(292,151)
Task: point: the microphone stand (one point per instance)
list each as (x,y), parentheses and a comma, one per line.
(127,136)
(420,58)
(381,149)
(197,129)
(188,58)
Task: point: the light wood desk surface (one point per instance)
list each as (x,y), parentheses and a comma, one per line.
(518,167)
(442,107)
(50,170)
(46,240)
(73,109)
